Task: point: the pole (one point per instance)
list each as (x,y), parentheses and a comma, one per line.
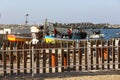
(45,25)
(26,18)
(33,61)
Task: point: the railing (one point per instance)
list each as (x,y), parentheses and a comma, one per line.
(64,56)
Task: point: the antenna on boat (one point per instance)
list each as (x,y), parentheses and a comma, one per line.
(26,21)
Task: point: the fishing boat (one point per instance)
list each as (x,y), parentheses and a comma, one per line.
(50,39)
(65,37)
(118,33)
(96,35)
(16,38)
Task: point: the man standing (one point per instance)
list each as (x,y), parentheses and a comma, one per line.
(83,34)
(69,33)
(55,31)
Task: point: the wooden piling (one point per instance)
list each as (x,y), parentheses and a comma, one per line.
(11,58)
(24,53)
(30,53)
(44,61)
(56,60)
(50,60)
(108,59)
(102,53)
(74,55)
(65,60)
(119,54)
(97,55)
(113,52)
(86,55)
(80,55)
(18,57)
(62,58)
(4,58)
(91,53)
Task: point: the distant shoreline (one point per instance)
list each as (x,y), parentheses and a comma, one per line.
(74,26)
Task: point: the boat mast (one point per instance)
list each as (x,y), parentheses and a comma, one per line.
(45,25)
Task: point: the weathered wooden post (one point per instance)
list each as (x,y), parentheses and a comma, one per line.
(37,58)
(68,57)
(62,57)
(44,61)
(108,59)
(86,55)
(30,51)
(113,53)
(65,60)
(18,45)
(25,57)
(33,61)
(103,55)
(11,58)
(80,55)
(97,54)
(56,60)
(91,53)
(119,54)
(4,58)
(74,53)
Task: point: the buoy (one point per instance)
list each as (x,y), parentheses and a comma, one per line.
(65,60)
(53,60)
(105,54)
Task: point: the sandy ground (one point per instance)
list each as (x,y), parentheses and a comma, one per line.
(102,75)
(98,77)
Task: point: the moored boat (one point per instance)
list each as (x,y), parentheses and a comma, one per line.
(96,34)
(15,38)
(65,37)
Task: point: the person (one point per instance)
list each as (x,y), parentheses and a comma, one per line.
(69,33)
(55,32)
(83,34)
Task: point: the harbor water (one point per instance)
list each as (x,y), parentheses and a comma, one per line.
(108,32)
(111,33)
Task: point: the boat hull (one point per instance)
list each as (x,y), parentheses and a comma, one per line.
(49,39)
(15,38)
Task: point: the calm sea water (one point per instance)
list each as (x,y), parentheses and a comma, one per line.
(111,33)
(108,33)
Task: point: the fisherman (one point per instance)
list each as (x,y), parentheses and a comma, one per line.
(35,36)
(55,32)
(83,34)
(69,33)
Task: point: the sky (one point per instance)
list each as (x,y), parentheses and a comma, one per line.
(62,11)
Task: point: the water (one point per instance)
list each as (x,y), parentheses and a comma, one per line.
(108,33)
(111,33)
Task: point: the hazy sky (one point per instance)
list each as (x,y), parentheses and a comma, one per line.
(64,11)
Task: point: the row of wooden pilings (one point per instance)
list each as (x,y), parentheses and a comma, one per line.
(81,55)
